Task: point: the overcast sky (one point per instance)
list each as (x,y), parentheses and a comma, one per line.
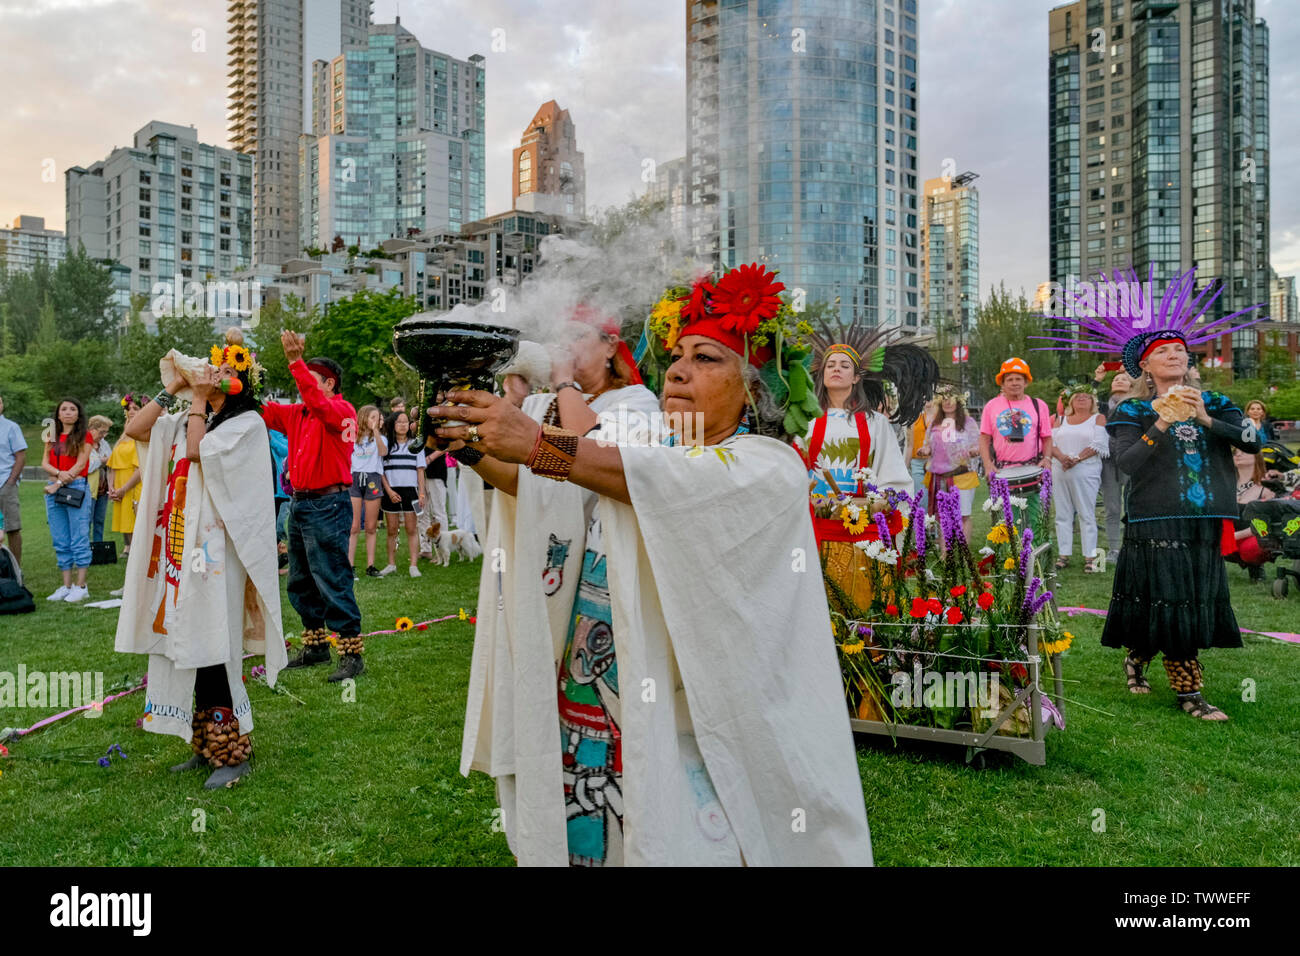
(80,76)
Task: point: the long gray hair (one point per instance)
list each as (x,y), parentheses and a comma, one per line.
(766,416)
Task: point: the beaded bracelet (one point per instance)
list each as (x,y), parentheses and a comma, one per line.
(468,455)
(555,453)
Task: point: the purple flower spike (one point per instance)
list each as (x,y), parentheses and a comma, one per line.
(1040,602)
(1031,593)
(1026,547)
(1045,490)
(882,525)
(918,518)
(954,516)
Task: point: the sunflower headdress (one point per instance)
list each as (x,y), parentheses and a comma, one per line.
(235,354)
(1121,315)
(743,310)
(881,361)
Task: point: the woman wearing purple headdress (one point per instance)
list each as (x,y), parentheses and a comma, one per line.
(1175,443)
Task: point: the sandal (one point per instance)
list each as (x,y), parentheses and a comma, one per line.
(1062,562)
(1137,682)
(1090,567)
(1198,706)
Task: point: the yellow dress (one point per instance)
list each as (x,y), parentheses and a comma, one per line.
(124,461)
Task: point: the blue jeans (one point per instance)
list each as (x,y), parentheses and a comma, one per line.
(98,512)
(917,468)
(70,528)
(320,574)
(282,519)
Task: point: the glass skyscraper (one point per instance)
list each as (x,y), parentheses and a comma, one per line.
(169,206)
(1158,147)
(398,143)
(802,147)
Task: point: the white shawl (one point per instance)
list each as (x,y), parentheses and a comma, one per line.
(229,573)
(723,641)
(521,632)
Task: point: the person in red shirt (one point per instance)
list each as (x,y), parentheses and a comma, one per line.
(321,431)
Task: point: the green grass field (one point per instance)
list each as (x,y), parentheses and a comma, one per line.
(375,781)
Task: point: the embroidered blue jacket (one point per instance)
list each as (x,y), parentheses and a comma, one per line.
(1187,472)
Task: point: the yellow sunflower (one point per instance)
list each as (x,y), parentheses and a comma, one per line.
(216,356)
(666,319)
(855,527)
(999,534)
(404,624)
(854,648)
(238,358)
(1008,564)
(1057,647)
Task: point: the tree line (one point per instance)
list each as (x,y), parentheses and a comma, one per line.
(62,335)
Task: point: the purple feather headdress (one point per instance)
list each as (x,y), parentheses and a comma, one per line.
(1122,315)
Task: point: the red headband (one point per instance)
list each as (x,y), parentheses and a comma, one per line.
(712,328)
(1163,340)
(589,315)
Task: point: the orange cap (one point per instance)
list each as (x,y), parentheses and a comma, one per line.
(1014,365)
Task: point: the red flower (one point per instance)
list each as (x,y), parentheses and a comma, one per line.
(1018,671)
(891,610)
(895,521)
(985,600)
(422,627)
(987,585)
(935,605)
(954,615)
(986,563)
(958,591)
(696,305)
(744,297)
(919,607)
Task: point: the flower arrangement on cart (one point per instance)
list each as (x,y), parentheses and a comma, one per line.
(939,635)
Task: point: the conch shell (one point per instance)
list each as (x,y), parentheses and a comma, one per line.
(178,366)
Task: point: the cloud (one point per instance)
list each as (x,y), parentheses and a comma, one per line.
(82,75)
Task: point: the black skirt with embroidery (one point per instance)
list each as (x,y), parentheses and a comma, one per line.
(1171,590)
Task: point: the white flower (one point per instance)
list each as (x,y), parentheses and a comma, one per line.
(929,575)
(874,497)
(1017,502)
(854,511)
(986,551)
(931,521)
(864,475)
(873,549)
(992,503)
(887,556)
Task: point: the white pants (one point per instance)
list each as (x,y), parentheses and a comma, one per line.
(1076,496)
(435,509)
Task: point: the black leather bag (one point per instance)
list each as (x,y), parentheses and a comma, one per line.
(103,552)
(72,497)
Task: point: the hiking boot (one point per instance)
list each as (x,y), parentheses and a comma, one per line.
(350,665)
(310,655)
(226,776)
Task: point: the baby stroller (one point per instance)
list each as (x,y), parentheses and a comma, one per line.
(1276,525)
